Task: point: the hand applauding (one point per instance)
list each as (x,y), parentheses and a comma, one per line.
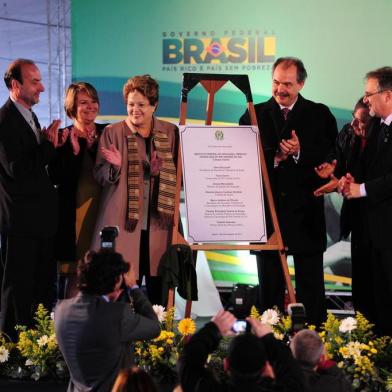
(326,169)
(348,187)
(290,146)
(112,155)
(51,133)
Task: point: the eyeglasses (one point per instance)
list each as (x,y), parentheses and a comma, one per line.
(368,95)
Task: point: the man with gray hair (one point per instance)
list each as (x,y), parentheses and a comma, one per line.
(320,374)
(376,188)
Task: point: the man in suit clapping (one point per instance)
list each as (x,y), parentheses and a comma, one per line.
(28,210)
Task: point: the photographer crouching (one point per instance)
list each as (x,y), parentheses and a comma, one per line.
(94,332)
(256,361)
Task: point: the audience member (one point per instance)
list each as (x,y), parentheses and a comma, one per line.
(375,184)
(297,135)
(136,167)
(72,172)
(134,379)
(321,375)
(28,200)
(255,361)
(93,332)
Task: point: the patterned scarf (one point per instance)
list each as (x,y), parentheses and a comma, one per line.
(167,181)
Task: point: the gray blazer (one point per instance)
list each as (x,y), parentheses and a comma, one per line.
(95,337)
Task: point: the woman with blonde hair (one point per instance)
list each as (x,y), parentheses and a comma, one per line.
(72,173)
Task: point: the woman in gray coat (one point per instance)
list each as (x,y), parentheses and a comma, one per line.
(136,167)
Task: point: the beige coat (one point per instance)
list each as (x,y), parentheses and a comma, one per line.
(113,207)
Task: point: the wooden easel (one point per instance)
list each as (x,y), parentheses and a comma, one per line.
(212,83)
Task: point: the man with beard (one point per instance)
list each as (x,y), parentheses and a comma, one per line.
(297,135)
(376,188)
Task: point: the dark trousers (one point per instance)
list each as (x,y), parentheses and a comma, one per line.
(153,283)
(381,266)
(309,278)
(362,275)
(29,279)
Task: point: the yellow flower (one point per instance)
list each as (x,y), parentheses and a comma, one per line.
(338,340)
(286,322)
(169,318)
(332,323)
(154,351)
(254,313)
(186,327)
(362,323)
(278,335)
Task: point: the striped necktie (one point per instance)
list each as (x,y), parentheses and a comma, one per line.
(285,112)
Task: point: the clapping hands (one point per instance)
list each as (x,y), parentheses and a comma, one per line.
(290,146)
(112,155)
(51,133)
(326,170)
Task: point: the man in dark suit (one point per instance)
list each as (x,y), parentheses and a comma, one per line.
(94,333)
(27,200)
(297,135)
(376,188)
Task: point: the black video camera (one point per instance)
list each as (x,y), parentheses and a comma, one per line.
(108,238)
(298,316)
(243,297)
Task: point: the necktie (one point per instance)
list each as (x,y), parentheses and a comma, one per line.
(36,122)
(36,127)
(285,112)
(383,136)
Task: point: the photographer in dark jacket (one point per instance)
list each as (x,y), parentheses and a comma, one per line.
(321,375)
(255,361)
(95,333)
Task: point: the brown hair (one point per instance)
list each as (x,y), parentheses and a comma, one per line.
(146,85)
(361,105)
(71,94)
(14,71)
(134,379)
(288,62)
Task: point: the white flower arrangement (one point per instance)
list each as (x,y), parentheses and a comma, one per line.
(160,312)
(29,362)
(348,324)
(4,354)
(270,317)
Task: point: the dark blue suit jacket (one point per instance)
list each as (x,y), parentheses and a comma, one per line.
(28,199)
(300,214)
(377,176)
